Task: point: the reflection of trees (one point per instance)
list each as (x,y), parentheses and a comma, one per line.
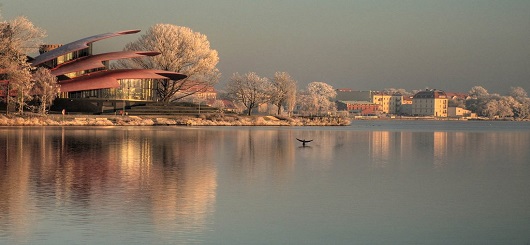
(166,177)
(258,152)
(170,172)
(183,178)
(15,201)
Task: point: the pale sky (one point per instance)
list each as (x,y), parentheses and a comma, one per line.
(451,45)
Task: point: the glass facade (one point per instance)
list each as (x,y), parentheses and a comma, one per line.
(130,89)
(64,58)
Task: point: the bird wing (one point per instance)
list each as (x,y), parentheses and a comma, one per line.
(304,141)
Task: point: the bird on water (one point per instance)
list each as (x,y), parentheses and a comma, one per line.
(303,141)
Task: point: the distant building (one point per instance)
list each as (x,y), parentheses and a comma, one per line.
(430,103)
(389,102)
(457,112)
(363,108)
(199,91)
(406,106)
(455,95)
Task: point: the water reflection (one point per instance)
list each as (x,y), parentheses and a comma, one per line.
(106,173)
(438,149)
(179,185)
(254,150)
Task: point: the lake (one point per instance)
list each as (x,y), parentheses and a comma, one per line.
(374,182)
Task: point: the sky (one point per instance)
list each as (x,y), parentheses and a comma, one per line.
(451,45)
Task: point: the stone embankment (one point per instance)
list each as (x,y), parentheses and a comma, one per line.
(202,120)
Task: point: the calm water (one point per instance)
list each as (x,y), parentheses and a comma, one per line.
(374,182)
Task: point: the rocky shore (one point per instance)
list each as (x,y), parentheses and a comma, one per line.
(202,120)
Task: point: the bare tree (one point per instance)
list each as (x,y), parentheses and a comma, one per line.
(318,98)
(518,93)
(18,38)
(457,102)
(249,89)
(499,107)
(283,91)
(219,105)
(183,51)
(45,88)
(478,101)
(522,108)
(478,92)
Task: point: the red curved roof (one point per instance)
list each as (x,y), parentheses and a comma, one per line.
(96,61)
(109,78)
(76,45)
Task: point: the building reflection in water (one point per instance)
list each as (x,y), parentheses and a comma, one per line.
(165,179)
(440,149)
(380,149)
(403,148)
(168,176)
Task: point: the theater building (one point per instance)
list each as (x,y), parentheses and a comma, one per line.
(86,82)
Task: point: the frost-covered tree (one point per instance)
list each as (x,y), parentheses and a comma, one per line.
(249,89)
(318,98)
(521,109)
(283,91)
(478,92)
(516,104)
(45,88)
(219,104)
(457,102)
(479,98)
(181,50)
(518,93)
(498,107)
(18,38)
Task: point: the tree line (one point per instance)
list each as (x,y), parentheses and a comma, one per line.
(250,91)
(184,51)
(21,82)
(514,105)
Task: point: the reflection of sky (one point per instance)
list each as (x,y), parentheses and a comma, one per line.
(82,176)
(133,185)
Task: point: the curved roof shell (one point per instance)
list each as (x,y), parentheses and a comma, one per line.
(76,45)
(96,61)
(109,78)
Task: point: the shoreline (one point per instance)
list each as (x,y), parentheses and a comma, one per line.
(168,120)
(202,120)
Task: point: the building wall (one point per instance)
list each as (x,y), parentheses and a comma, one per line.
(458,112)
(405,109)
(395,103)
(430,103)
(440,107)
(389,103)
(383,100)
(364,108)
